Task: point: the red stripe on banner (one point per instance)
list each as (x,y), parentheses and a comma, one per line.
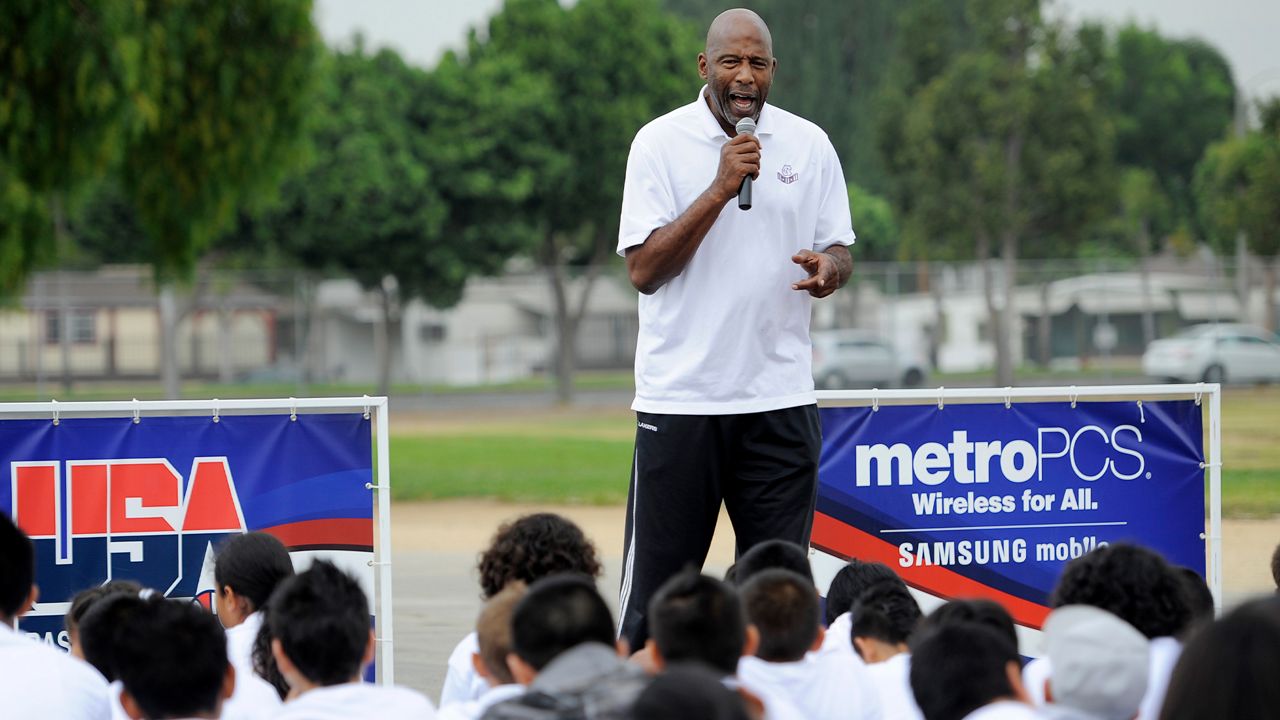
(846,541)
(357,532)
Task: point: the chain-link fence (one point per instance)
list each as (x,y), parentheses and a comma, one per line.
(291,327)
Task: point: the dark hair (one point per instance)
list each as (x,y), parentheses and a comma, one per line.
(86,599)
(253,565)
(100,629)
(1198,597)
(321,618)
(556,614)
(696,617)
(977,610)
(772,554)
(17,567)
(172,658)
(688,691)
(533,547)
(1228,669)
(887,612)
(1131,582)
(851,581)
(784,608)
(264,662)
(958,668)
(1275,567)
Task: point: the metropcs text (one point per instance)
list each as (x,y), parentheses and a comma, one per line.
(1089,454)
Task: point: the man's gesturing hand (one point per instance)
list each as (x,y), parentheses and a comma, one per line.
(739,158)
(824,276)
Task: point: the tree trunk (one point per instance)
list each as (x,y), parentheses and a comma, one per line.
(1009,271)
(1242,276)
(937,333)
(568,321)
(1269,306)
(1044,328)
(225,369)
(1144,270)
(382,340)
(989,294)
(60,236)
(170,377)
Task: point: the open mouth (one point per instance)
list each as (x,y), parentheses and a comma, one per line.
(741,103)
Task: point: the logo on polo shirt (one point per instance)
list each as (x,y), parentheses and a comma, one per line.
(787,175)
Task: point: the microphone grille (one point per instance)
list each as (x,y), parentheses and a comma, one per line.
(746,126)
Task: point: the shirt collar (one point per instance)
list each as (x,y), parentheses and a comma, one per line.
(764,126)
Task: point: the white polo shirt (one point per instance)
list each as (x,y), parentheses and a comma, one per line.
(37,682)
(819,686)
(729,335)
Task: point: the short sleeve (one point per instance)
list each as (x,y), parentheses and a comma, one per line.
(647,200)
(834,226)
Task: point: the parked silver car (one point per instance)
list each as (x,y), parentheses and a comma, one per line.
(858,358)
(1215,352)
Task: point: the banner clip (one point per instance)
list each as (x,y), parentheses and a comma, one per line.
(1008,397)
(366,409)
(1205,465)
(1074,395)
(1199,392)
(137,412)
(941,390)
(371,486)
(1142,416)
(875,399)
(375,563)
(293,409)
(216,418)
(56,421)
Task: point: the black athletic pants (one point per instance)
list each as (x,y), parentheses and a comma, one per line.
(764,466)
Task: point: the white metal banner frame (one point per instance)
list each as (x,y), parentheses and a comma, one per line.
(1089,393)
(374,408)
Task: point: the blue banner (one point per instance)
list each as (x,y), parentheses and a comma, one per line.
(108,498)
(989,501)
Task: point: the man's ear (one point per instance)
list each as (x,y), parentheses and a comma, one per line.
(477,664)
(1014,671)
(702,65)
(31,601)
(228,683)
(817,641)
(655,655)
(751,643)
(521,671)
(860,647)
(1048,691)
(283,663)
(130,706)
(370,649)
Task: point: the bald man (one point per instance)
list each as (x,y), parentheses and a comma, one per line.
(724,389)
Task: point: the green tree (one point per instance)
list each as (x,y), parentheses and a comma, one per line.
(374,203)
(1169,100)
(876,226)
(1006,152)
(227,89)
(70,72)
(614,65)
(1238,188)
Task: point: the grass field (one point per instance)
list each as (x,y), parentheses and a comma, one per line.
(584,456)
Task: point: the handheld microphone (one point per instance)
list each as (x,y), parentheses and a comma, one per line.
(745,126)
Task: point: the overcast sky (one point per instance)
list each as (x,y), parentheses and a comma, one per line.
(1246,31)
